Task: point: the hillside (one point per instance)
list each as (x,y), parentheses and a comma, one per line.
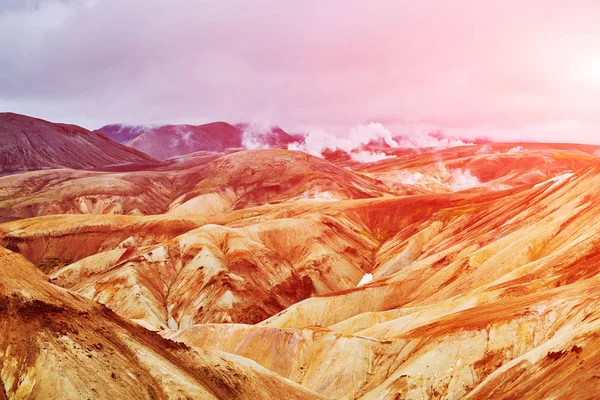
(55,344)
(168,141)
(28,143)
(483,259)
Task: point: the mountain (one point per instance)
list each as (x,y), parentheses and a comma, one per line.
(56,344)
(175,140)
(201,185)
(466,272)
(122,133)
(271,137)
(28,143)
(169,141)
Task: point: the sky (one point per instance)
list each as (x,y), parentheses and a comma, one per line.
(510,70)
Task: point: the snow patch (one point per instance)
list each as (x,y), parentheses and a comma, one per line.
(227,300)
(365,279)
(557,180)
(157,254)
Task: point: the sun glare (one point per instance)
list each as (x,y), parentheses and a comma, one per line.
(587,70)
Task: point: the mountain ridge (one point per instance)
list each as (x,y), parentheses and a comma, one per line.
(28,143)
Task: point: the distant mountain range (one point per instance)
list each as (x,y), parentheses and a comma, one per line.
(28,143)
(167,141)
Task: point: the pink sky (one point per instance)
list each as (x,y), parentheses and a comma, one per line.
(512,70)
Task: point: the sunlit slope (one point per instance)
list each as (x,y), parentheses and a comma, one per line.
(56,344)
(476,292)
(63,191)
(223,274)
(493,166)
(242,266)
(495,297)
(212,183)
(196,185)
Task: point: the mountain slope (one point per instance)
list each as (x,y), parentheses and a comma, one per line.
(55,344)
(174,140)
(186,139)
(494,166)
(486,290)
(194,185)
(122,133)
(28,143)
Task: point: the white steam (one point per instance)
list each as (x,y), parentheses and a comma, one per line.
(365,156)
(462,180)
(436,178)
(354,143)
(422,140)
(410,178)
(255,135)
(317,141)
(518,149)
(136,130)
(183,136)
(363,134)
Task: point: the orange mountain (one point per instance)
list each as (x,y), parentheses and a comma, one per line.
(469,272)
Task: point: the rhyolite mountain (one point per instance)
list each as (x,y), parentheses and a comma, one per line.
(470,272)
(28,143)
(122,133)
(167,141)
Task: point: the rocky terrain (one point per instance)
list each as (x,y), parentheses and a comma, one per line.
(467,272)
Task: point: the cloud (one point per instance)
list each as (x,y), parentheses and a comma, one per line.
(327,63)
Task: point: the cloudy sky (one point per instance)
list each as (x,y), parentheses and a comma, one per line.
(513,70)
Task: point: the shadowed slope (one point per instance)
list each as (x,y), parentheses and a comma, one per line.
(28,143)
